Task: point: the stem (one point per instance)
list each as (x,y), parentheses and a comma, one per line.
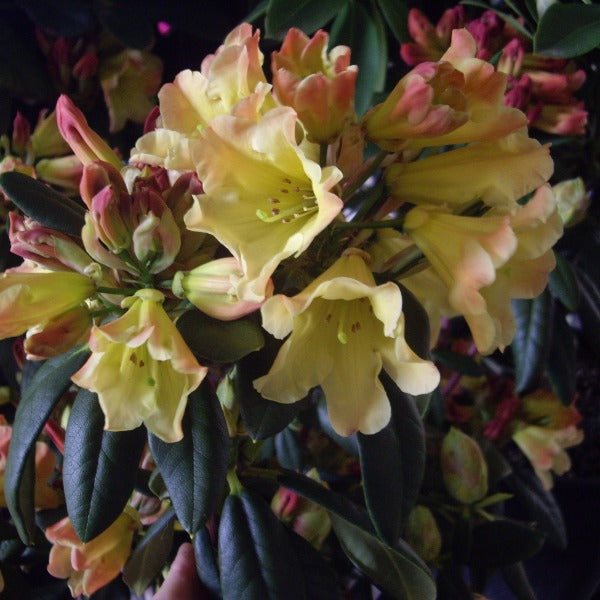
(235,487)
(370,224)
(56,433)
(367,173)
(323,154)
(404,260)
(120,291)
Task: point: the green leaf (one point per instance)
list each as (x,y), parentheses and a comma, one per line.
(402,442)
(563,283)
(416,324)
(43,204)
(530,344)
(151,555)
(364,32)
(398,571)
(461,363)
(99,469)
(206,562)
(255,554)
(195,468)
(219,341)
(395,13)
(568,30)
(288,450)
(561,363)
(307,15)
(39,398)
(589,309)
(503,542)
(516,579)
(257,12)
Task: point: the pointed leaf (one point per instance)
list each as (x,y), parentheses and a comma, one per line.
(396,16)
(561,364)
(255,554)
(416,324)
(206,562)
(195,468)
(568,30)
(39,398)
(398,571)
(220,341)
(563,283)
(461,363)
(151,555)
(288,450)
(99,469)
(307,15)
(402,442)
(530,344)
(43,204)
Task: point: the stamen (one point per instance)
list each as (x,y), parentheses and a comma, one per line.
(341,333)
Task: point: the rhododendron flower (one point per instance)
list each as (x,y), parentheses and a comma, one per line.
(498,173)
(129,80)
(263,198)
(231,79)
(92,565)
(344,330)
(34,298)
(317,84)
(141,369)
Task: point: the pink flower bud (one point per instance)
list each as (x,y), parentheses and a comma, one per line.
(562,120)
(519,92)
(511,59)
(85,143)
(21,134)
(86,66)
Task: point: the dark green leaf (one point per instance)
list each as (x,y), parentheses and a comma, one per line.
(39,399)
(503,542)
(561,364)
(99,469)
(365,34)
(288,450)
(255,554)
(263,418)
(257,12)
(589,309)
(461,363)
(516,579)
(42,203)
(69,18)
(307,15)
(151,555)
(563,284)
(416,324)
(540,504)
(402,442)
(532,8)
(220,341)
(568,30)
(398,571)
(206,562)
(530,344)
(195,468)
(451,584)
(395,13)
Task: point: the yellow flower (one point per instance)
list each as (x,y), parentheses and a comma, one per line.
(33,298)
(344,330)
(141,369)
(92,565)
(264,199)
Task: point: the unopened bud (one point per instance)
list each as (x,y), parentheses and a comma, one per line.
(422,533)
(64,171)
(21,136)
(229,404)
(46,139)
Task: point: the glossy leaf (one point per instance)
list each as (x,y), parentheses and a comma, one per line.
(589,309)
(563,284)
(516,579)
(561,364)
(568,30)
(395,13)
(503,542)
(416,324)
(42,203)
(364,32)
(307,15)
(461,363)
(530,344)
(39,398)
(402,443)
(206,562)
(99,468)
(194,469)
(219,341)
(288,450)
(255,554)
(151,554)
(398,571)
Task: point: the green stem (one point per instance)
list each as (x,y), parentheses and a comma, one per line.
(370,224)
(368,172)
(235,487)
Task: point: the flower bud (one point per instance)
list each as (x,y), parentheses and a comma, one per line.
(85,143)
(46,139)
(211,287)
(21,134)
(572,200)
(464,468)
(86,66)
(64,171)
(422,533)
(229,404)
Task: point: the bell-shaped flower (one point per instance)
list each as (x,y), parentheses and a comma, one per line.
(92,565)
(497,173)
(141,369)
(28,299)
(344,330)
(231,79)
(318,85)
(212,287)
(263,198)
